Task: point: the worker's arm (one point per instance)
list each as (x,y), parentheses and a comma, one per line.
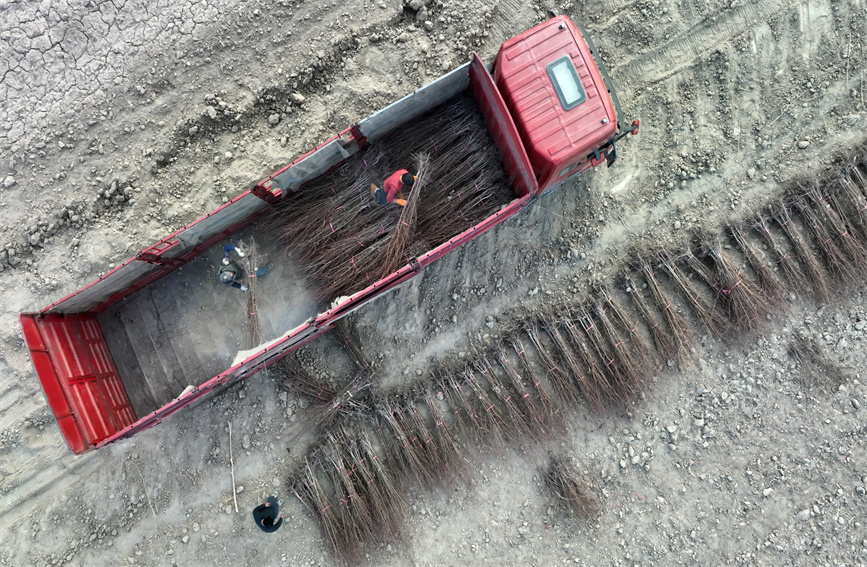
(401,202)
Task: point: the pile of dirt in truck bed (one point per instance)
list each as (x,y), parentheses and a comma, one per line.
(344,236)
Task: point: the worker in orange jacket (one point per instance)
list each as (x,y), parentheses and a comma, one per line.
(392,188)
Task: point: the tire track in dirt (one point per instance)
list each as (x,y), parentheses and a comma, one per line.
(51,479)
(696,42)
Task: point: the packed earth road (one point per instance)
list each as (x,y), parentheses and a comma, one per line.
(123,121)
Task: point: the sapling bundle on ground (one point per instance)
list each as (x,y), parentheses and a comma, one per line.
(408,438)
(632,371)
(567,484)
(516,419)
(701,270)
(713,319)
(679,329)
(663,342)
(829,209)
(596,379)
(642,350)
(794,276)
(746,304)
(385,506)
(351,506)
(538,418)
(770,284)
(816,274)
(445,432)
(525,372)
(352,345)
(816,370)
(295,379)
(425,443)
(619,382)
(555,375)
(312,490)
(399,439)
(852,191)
(593,392)
(388,484)
(465,415)
(346,402)
(496,429)
(835,248)
(830,255)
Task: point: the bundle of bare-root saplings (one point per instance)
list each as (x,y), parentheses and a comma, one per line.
(597,352)
(346,240)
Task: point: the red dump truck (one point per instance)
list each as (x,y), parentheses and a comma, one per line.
(150,337)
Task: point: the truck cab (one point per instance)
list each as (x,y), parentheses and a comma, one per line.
(565,112)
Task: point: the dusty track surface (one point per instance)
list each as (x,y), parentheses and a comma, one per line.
(122,121)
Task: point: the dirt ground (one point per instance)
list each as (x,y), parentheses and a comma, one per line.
(122,121)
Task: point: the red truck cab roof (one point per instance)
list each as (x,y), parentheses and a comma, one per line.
(560,104)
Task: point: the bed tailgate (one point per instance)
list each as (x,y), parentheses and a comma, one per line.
(78,376)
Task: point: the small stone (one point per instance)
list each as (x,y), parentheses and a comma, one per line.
(751,172)
(767,492)
(699,422)
(274,119)
(677,225)
(9,181)
(211,112)
(196,527)
(245,442)
(855,403)
(193,130)
(228,509)
(297,98)
(803,144)
(802,515)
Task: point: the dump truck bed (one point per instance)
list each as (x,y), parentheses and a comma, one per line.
(118,355)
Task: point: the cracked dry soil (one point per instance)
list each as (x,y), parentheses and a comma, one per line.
(121,121)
